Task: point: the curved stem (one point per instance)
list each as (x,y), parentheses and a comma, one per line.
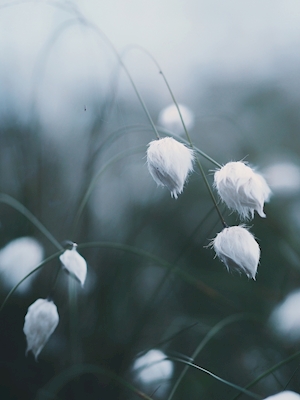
(212,332)
(269,371)
(188,137)
(245,391)
(5,198)
(27,276)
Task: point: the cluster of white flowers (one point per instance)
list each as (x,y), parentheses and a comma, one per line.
(239,187)
(245,191)
(42,317)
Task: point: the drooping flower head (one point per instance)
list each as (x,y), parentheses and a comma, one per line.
(40,322)
(73,262)
(242,189)
(286,395)
(238,250)
(169,163)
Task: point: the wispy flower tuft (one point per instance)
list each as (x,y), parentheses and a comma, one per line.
(73,262)
(40,322)
(238,250)
(286,395)
(242,189)
(169,163)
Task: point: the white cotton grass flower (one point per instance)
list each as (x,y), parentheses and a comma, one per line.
(238,250)
(74,263)
(17,259)
(169,162)
(169,118)
(40,322)
(242,189)
(152,370)
(286,395)
(285,318)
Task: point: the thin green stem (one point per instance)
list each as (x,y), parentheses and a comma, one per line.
(245,391)
(5,198)
(27,276)
(95,179)
(269,371)
(212,332)
(188,137)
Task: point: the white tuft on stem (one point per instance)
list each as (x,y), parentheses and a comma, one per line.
(73,262)
(169,163)
(40,322)
(242,189)
(238,250)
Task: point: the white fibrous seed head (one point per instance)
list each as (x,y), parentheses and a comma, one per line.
(242,189)
(74,263)
(169,163)
(286,395)
(238,250)
(40,322)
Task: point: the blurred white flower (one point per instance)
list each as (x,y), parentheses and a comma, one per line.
(153,371)
(40,322)
(238,250)
(17,259)
(73,262)
(286,395)
(283,178)
(169,163)
(242,189)
(169,118)
(285,318)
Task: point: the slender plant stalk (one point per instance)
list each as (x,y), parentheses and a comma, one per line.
(188,138)
(212,332)
(269,371)
(42,264)
(242,390)
(5,198)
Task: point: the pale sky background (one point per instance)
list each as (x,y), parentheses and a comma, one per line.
(205,40)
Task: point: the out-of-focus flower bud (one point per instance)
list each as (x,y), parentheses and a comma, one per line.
(285,319)
(17,259)
(73,262)
(169,163)
(169,118)
(238,250)
(286,395)
(40,322)
(152,371)
(242,189)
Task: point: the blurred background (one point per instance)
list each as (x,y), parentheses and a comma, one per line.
(70,121)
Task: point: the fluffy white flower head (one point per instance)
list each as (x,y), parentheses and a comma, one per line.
(242,189)
(286,395)
(73,262)
(238,250)
(169,163)
(40,322)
